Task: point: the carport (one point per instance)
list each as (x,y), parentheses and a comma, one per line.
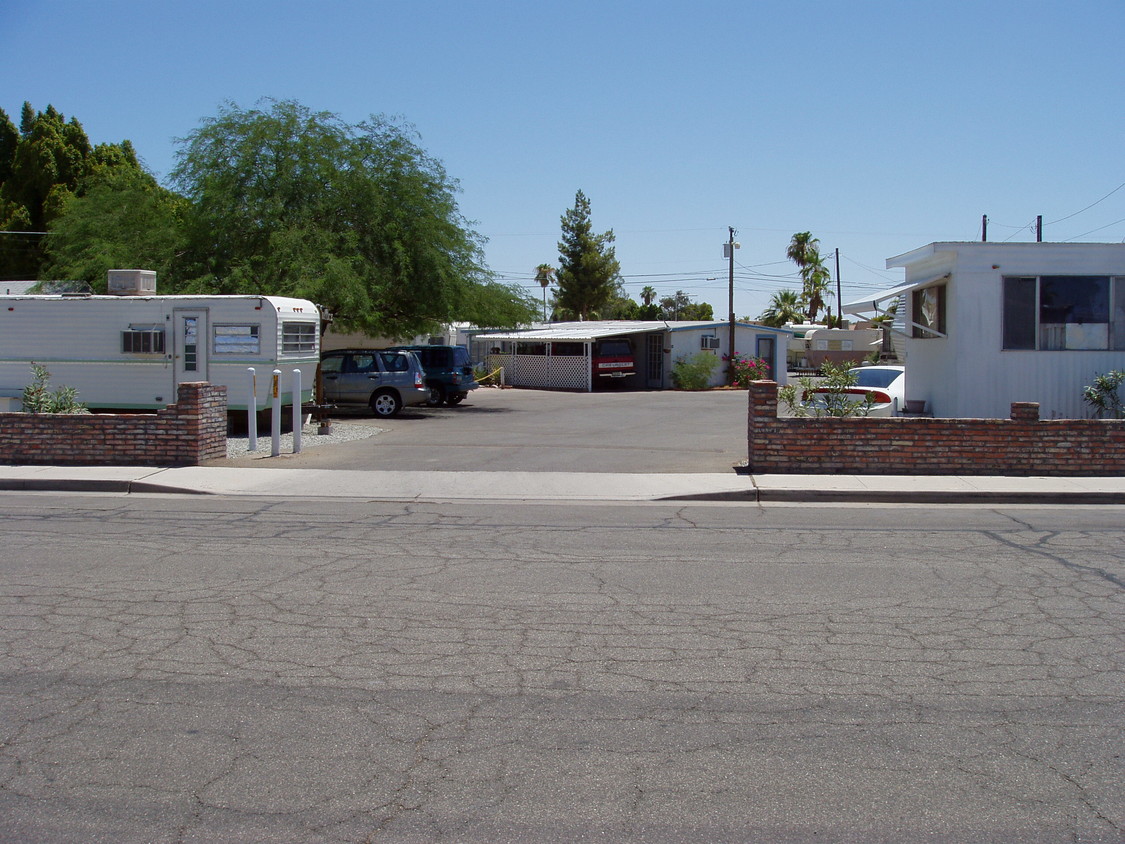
(560,356)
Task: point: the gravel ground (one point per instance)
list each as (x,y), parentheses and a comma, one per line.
(341,433)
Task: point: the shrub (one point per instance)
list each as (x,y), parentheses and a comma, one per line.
(1103,394)
(38,398)
(746,369)
(834,398)
(693,373)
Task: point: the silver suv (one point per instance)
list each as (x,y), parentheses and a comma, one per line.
(385,381)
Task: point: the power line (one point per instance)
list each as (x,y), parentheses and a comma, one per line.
(1088,207)
(1114,223)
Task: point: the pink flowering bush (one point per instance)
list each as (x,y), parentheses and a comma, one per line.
(746,369)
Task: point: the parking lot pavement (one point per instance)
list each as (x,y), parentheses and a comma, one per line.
(538,431)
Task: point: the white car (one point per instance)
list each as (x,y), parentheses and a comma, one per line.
(886,384)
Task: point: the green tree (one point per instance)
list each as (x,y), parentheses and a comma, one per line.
(491,304)
(358,218)
(9,139)
(679,306)
(589,274)
(784,307)
(697,310)
(619,306)
(671,307)
(43,165)
(816,281)
(125,219)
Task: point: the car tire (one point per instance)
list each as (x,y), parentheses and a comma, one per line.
(437,396)
(454,399)
(385,404)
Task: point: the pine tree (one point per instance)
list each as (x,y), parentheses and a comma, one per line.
(588,273)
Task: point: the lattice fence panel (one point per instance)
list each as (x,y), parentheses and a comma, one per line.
(569,372)
(555,373)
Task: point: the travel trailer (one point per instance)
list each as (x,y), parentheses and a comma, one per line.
(129,350)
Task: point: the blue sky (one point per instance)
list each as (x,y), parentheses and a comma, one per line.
(878,126)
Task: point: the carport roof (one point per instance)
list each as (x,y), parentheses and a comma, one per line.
(596,330)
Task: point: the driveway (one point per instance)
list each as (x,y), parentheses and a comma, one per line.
(539,431)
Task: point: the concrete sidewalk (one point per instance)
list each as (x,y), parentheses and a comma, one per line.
(562,486)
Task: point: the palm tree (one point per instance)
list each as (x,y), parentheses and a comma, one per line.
(818,284)
(800,247)
(545,275)
(804,251)
(648,295)
(784,306)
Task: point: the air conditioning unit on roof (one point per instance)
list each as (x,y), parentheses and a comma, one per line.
(131,282)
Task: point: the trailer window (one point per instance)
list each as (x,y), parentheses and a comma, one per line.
(237,340)
(298,337)
(142,341)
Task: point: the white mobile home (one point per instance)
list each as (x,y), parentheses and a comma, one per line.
(988,324)
(129,352)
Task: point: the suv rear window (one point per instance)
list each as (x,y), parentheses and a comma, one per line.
(395,361)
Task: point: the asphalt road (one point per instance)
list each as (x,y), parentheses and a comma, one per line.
(541,431)
(220,669)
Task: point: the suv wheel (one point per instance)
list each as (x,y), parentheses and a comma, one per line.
(385,404)
(455,398)
(437,396)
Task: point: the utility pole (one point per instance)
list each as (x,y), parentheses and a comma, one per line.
(839,298)
(1039,229)
(730,247)
(984,228)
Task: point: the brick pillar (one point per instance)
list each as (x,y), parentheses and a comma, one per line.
(763,400)
(1025,411)
(202,409)
(763,409)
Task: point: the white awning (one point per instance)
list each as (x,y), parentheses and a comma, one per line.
(871,304)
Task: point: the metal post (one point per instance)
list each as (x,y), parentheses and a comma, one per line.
(275,416)
(252,411)
(297,421)
(730,342)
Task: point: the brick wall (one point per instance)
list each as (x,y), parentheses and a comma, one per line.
(186,433)
(1023,445)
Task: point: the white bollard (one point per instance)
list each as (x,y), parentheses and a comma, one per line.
(297,421)
(275,416)
(252,411)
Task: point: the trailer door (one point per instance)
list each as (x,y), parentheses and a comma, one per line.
(191,344)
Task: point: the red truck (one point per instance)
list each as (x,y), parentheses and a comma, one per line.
(613,358)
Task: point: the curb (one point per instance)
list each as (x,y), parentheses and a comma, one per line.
(814,496)
(92,485)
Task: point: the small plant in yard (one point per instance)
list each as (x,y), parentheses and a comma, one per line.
(745,369)
(1104,395)
(831,393)
(38,398)
(489,378)
(693,373)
